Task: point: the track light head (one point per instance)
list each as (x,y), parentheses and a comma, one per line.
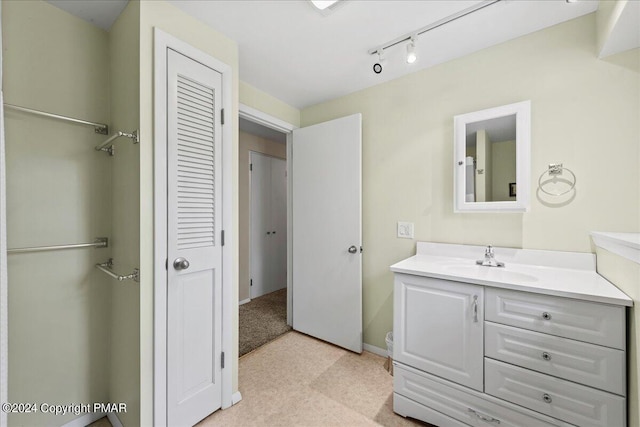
(411,51)
(377,67)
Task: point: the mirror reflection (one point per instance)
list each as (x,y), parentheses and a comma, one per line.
(490,160)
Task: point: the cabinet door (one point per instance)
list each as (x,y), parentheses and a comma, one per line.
(438,328)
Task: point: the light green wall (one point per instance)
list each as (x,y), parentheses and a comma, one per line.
(266,103)
(504,169)
(182,26)
(124,385)
(584,114)
(625,274)
(58,192)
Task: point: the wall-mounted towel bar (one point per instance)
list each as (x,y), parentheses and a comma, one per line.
(103,147)
(100,242)
(107,266)
(100,128)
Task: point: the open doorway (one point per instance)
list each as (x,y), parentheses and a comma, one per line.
(263,235)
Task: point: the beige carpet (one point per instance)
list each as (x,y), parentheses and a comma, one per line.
(297,380)
(262,320)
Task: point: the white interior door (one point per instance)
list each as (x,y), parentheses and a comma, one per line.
(278,235)
(194,252)
(260,223)
(268,254)
(327,231)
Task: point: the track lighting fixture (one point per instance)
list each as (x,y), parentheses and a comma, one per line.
(323,4)
(411,37)
(377,67)
(411,51)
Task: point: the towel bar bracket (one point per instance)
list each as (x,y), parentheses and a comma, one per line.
(107,146)
(107,266)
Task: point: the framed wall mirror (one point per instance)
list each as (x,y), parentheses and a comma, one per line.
(492,155)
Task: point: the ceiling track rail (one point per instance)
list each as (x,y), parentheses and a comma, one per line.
(433,26)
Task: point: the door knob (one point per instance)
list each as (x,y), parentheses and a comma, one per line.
(352,249)
(180,264)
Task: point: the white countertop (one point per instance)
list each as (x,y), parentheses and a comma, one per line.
(565,274)
(626,245)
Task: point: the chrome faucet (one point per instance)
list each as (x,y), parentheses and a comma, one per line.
(489,259)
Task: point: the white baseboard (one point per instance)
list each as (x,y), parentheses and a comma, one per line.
(85,419)
(237,397)
(244,301)
(114,420)
(375,350)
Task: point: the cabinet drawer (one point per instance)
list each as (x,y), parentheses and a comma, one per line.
(461,403)
(565,400)
(589,364)
(409,408)
(580,320)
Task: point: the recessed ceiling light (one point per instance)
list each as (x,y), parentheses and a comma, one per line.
(323,4)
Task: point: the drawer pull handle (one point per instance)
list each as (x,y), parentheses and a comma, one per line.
(546,356)
(546,398)
(484,417)
(546,316)
(475,308)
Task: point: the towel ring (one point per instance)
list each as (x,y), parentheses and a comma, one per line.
(556,169)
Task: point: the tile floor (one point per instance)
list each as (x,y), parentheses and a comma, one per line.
(297,380)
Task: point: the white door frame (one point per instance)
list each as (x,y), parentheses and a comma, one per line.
(256,116)
(162,42)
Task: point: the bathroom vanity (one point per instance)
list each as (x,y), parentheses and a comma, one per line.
(539,342)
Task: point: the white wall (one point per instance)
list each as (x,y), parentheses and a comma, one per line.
(58,192)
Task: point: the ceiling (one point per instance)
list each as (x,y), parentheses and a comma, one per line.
(262,131)
(499,129)
(101,13)
(303,57)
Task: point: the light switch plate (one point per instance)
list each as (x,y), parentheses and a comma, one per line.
(405,230)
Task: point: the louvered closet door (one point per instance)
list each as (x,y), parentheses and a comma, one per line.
(194,252)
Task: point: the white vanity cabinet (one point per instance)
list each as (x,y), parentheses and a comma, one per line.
(561,357)
(438,328)
(482,348)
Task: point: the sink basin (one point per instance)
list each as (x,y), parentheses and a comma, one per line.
(500,274)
